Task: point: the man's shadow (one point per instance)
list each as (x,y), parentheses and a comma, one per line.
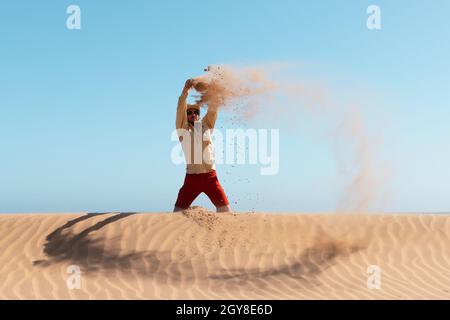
(100,255)
(63,245)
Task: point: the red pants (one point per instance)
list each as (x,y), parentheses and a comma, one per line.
(194,184)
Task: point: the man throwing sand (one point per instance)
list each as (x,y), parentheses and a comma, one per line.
(195,136)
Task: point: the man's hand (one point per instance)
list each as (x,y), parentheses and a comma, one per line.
(187,86)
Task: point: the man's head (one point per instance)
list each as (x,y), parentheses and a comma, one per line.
(193,113)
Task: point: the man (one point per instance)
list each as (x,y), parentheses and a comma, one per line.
(200,173)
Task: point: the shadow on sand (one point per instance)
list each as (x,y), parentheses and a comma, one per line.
(92,256)
(62,245)
(305,268)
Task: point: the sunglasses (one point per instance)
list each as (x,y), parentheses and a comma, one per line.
(196,112)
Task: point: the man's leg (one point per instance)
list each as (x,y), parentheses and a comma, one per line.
(217,195)
(226,208)
(187,194)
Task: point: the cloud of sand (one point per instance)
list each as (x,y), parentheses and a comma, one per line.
(250,91)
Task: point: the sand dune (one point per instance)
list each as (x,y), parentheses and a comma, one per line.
(200,255)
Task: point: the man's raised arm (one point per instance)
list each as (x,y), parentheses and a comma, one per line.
(210,117)
(182,105)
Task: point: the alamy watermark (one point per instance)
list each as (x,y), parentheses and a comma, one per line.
(232,146)
(73,280)
(374,20)
(374,277)
(73,21)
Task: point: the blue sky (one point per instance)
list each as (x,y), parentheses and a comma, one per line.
(86,115)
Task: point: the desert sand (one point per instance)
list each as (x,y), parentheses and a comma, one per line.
(202,255)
